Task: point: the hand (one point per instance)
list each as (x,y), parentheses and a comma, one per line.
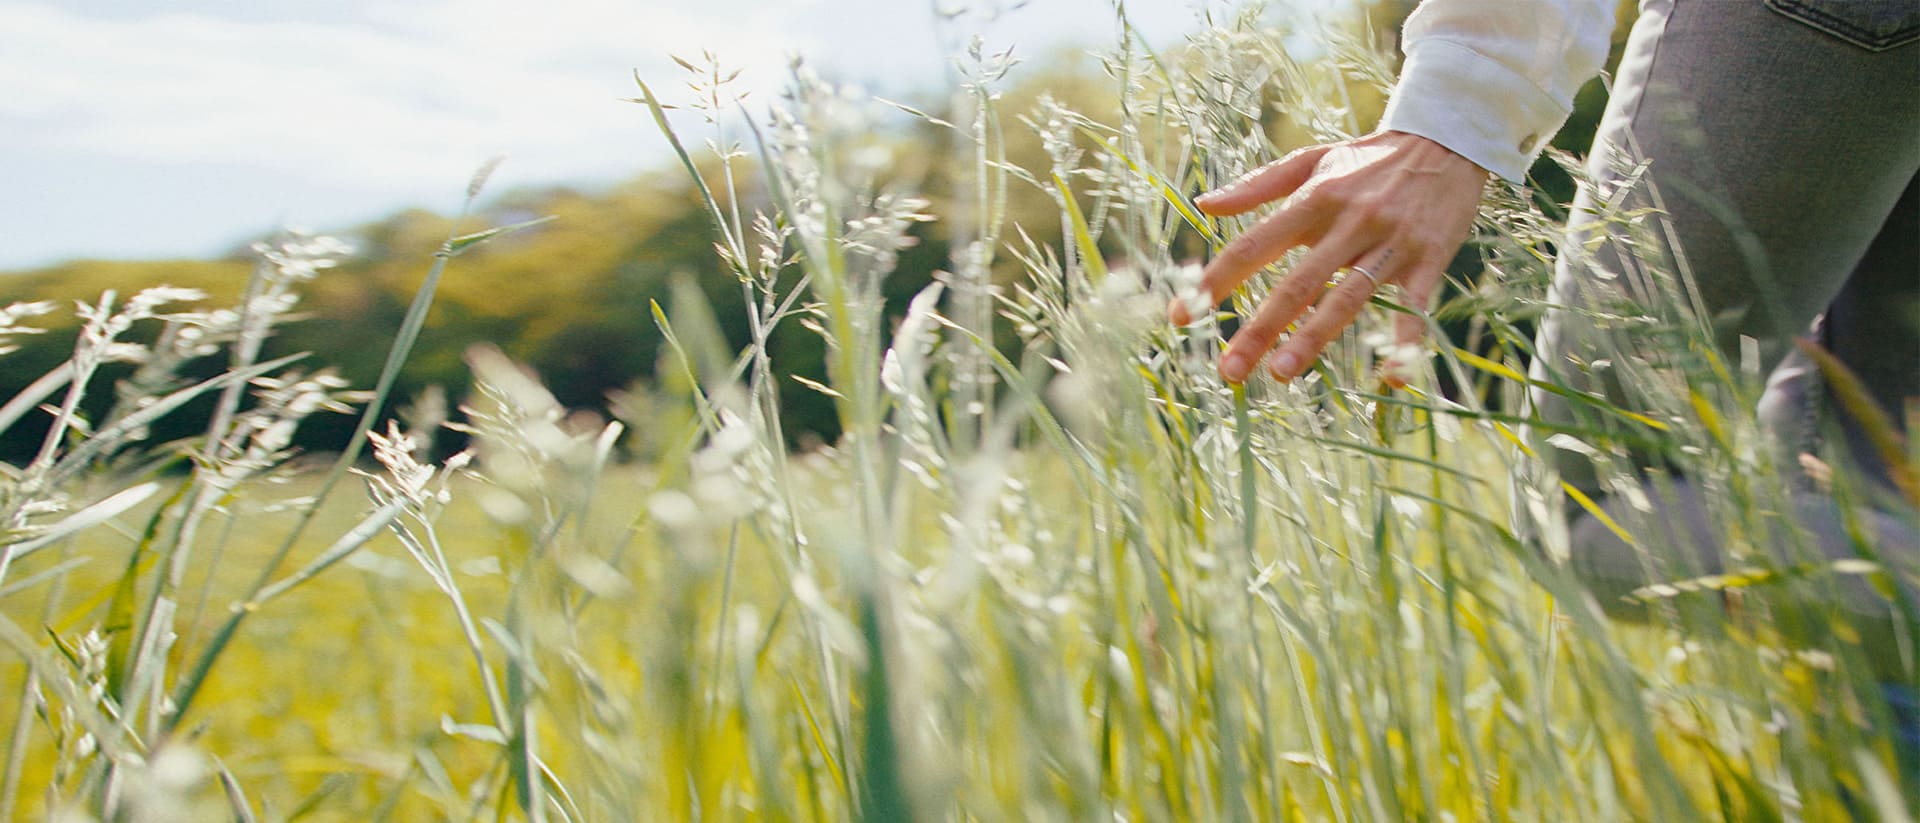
(1392,206)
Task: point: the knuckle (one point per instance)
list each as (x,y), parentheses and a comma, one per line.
(1228,265)
(1417,292)
(1222,262)
(1370,214)
(1431,244)
(1232,253)
(1414,244)
(1324,196)
(1253,342)
(1293,293)
(1396,214)
(1266,234)
(1340,307)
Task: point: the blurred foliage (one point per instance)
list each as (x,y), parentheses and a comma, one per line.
(572,299)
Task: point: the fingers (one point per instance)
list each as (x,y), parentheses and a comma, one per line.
(1263,244)
(1410,329)
(1333,314)
(1267,241)
(1379,195)
(1284,305)
(1269,182)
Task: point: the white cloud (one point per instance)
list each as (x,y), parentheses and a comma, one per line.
(416,93)
(127,131)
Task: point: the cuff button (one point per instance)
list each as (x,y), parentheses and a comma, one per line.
(1526,146)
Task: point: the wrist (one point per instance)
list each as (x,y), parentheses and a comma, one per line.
(1433,157)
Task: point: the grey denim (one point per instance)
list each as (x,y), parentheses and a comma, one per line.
(1782,139)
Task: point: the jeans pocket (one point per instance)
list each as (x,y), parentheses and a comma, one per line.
(1875,25)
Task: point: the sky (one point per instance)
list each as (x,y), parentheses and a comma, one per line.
(144,129)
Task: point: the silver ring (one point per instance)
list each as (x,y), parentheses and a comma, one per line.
(1370,275)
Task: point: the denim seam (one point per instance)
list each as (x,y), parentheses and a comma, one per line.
(1814,406)
(1839,27)
(1813,415)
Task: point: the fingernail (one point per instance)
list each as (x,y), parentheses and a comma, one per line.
(1234,367)
(1285,366)
(1218,191)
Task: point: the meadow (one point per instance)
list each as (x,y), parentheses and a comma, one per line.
(1052,569)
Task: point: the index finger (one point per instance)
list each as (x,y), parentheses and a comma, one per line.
(1269,182)
(1266,242)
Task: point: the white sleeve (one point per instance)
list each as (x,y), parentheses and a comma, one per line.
(1494,79)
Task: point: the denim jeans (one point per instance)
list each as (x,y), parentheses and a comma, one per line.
(1781,139)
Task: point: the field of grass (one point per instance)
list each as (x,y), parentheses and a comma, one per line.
(1075,578)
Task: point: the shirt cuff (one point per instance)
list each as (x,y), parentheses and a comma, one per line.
(1479,109)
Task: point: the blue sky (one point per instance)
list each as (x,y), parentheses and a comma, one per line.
(143,129)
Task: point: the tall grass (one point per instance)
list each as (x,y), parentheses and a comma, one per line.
(1084,580)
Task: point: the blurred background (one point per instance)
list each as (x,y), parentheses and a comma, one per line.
(145,145)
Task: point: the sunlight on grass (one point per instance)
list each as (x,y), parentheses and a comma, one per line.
(1053,569)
